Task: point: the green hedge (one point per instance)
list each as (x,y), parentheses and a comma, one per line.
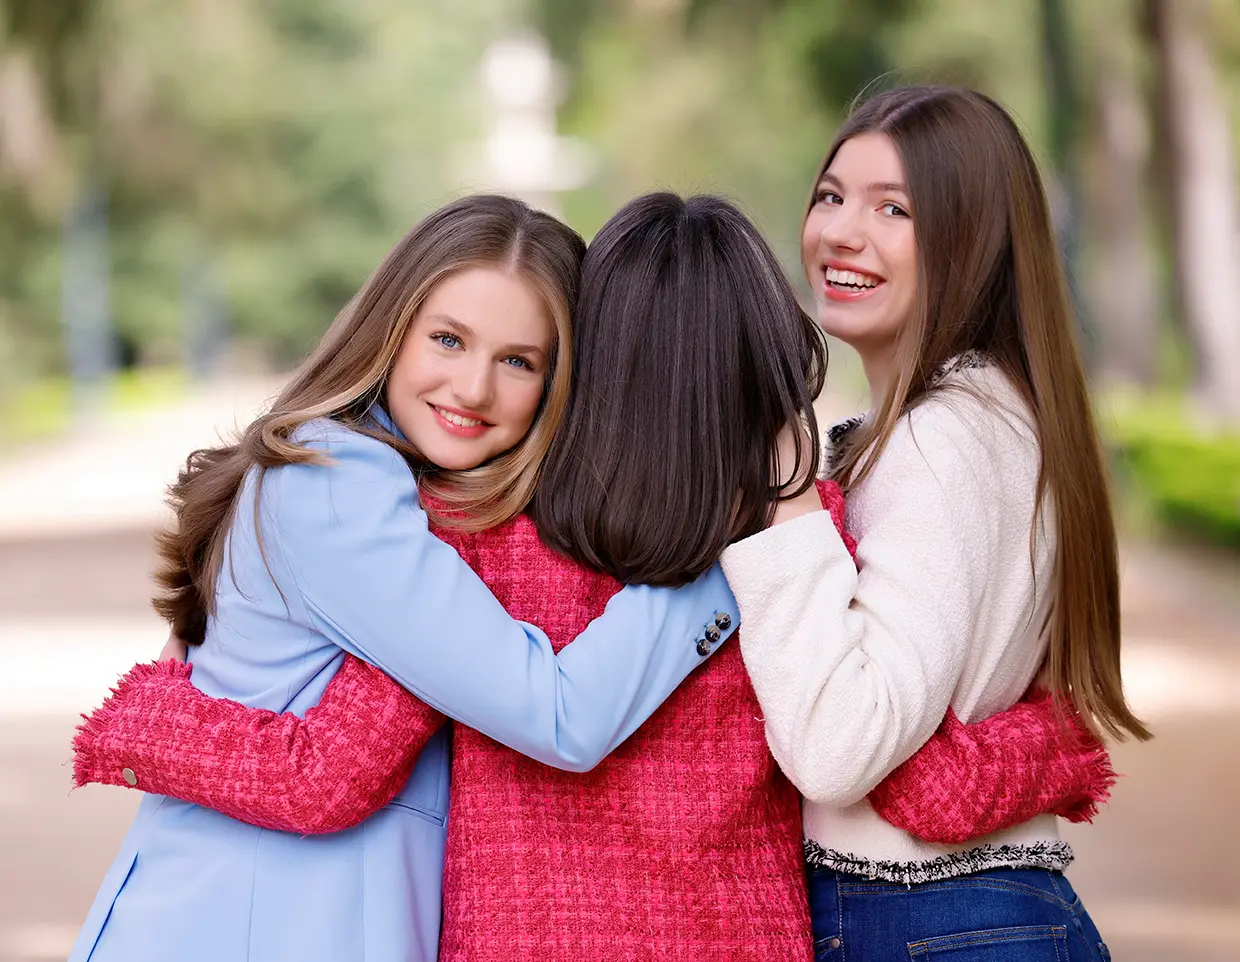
(1188,474)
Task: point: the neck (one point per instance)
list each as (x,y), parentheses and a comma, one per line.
(879,369)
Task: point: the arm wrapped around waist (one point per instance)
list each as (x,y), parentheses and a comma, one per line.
(328,771)
(968,781)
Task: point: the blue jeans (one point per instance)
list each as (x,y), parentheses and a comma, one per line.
(1002,915)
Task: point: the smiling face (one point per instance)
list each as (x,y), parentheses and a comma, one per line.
(468,379)
(859,250)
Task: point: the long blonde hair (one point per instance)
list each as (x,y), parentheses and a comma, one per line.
(990,280)
(347,374)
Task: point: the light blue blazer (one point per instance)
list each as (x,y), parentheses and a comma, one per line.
(348,565)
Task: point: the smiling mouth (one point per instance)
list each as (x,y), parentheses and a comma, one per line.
(459,419)
(459,424)
(851,282)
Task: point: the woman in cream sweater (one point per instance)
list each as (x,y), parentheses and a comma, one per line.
(986,544)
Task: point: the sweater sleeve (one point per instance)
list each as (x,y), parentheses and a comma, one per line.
(969,781)
(346,759)
(855,670)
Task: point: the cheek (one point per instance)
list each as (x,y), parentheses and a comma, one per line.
(900,256)
(522,404)
(910,285)
(907,253)
(415,371)
(407,360)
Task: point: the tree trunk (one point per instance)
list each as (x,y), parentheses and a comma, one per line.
(1200,184)
(1064,111)
(1123,288)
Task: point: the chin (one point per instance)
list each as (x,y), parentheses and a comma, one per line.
(851,330)
(831,326)
(457,462)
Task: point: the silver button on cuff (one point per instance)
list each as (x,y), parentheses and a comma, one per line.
(130,778)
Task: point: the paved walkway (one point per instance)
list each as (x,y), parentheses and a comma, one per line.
(112,474)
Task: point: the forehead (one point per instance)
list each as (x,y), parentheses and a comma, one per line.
(494,304)
(867,158)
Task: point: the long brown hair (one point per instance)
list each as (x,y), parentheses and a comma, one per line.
(692,352)
(990,280)
(347,374)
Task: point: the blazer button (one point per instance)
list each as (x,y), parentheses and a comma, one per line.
(703,649)
(130,778)
(723,621)
(712,634)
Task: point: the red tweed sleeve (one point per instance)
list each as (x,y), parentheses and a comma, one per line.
(328,771)
(971,780)
(833,500)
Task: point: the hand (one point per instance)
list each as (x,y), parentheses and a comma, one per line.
(174,649)
(787,472)
(791,475)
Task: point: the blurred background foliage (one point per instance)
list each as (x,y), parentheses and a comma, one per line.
(243,164)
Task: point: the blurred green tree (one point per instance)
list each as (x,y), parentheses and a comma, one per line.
(286,143)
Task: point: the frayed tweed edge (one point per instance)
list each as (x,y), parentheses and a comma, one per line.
(1102,778)
(97,723)
(1049,855)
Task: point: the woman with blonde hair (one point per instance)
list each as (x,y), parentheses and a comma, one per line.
(307,540)
(986,551)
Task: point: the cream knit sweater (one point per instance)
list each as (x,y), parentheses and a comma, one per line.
(855,670)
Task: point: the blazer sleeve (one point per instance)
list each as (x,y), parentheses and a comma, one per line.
(371,577)
(973,780)
(345,760)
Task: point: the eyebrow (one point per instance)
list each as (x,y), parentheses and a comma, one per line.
(462,328)
(878,187)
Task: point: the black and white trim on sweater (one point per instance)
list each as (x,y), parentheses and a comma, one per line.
(837,434)
(1048,855)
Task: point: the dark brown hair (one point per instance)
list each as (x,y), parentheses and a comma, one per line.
(691,353)
(347,373)
(991,280)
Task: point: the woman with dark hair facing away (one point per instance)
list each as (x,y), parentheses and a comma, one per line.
(986,553)
(691,354)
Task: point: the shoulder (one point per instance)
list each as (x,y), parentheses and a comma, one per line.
(347,452)
(339,440)
(967,451)
(351,471)
(974,418)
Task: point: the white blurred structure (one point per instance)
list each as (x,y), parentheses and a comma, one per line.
(524,155)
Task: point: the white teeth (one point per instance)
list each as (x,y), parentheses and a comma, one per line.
(456,419)
(851,278)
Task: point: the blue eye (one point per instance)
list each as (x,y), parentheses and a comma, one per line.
(450,341)
(519,362)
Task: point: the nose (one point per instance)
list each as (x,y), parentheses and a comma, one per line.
(474,385)
(842,230)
